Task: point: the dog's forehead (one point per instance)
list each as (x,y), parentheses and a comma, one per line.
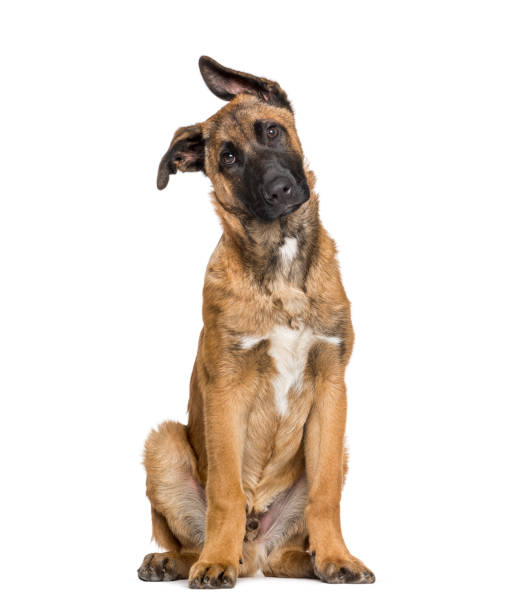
(235,122)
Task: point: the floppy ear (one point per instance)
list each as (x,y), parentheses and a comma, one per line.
(186,153)
(226,84)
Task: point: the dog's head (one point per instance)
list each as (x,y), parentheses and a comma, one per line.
(249,149)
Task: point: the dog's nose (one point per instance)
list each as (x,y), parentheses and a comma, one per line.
(278,190)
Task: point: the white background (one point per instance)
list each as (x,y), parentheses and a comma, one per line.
(406,111)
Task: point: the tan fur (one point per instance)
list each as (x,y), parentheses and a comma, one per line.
(238,456)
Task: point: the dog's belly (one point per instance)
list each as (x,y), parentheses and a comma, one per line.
(273,456)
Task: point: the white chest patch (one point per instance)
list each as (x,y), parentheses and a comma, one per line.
(288,251)
(289,348)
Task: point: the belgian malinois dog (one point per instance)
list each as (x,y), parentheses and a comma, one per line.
(254,481)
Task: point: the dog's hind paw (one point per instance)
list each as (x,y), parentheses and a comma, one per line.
(159,567)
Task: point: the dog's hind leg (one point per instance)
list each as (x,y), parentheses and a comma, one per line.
(174,564)
(289,562)
(178,504)
(282,532)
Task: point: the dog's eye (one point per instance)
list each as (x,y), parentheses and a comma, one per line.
(228,158)
(272,131)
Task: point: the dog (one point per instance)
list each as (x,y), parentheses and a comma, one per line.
(254,481)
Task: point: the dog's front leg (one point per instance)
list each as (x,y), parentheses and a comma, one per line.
(217,566)
(324,452)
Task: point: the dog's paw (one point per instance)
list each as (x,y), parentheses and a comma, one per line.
(347,569)
(159,567)
(206,575)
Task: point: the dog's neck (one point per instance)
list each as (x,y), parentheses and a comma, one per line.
(281,249)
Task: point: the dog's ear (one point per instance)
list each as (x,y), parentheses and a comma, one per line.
(226,84)
(186,153)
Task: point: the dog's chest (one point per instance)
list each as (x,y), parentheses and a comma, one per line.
(289,349)
(279,412)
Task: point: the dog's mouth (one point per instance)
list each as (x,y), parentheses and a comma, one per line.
(272,188)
